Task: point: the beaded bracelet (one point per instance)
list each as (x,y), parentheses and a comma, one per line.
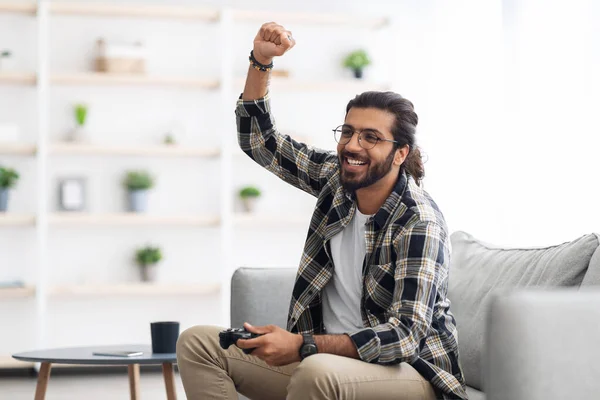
(258,66)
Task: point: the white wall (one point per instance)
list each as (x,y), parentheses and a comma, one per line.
(505,91)
(553,75)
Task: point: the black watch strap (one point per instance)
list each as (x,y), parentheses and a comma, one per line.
(307,338)
(309,347)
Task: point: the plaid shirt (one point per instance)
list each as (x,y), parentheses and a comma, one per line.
(405,311)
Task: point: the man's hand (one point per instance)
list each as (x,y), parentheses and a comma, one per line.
(276,346)
(272,40)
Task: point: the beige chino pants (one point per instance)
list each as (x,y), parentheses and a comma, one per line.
(209,372)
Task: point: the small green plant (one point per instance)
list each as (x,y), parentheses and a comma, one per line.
(249,191)
(357,60)
(148,255)
(138,180)
(81,111)
(169,139)
(8,178)
(5,53)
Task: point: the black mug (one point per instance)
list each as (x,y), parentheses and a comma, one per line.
(164,336)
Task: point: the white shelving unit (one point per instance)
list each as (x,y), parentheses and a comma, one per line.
(135,289)
(18,7)
(20,292)
(291,84)
(131,219)
(200,14)
(97,79)
(12,220)
(76,149)
(45,151)
(17,149)
(17,78)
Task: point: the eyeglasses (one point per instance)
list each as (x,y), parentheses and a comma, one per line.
(367,138)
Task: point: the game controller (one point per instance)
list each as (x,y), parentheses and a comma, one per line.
(230,336)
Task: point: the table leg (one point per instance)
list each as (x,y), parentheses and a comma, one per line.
(134,381)
(169,381)
(42,382)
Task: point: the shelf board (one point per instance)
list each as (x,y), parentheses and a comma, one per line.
(7,362)
(8,219)
(130,219)
(323,85)
(260,220)
(137,11)
(135,289)
(99,78)
(17,78)
(321,19)
(73,149)
(17,149)
(17,292)
(18,7)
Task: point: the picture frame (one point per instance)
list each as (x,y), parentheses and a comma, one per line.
(72,194)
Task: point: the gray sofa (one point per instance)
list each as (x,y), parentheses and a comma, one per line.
(528,318)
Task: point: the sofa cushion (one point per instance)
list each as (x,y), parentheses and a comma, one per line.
(478,269)
(592,277)
(475,394)
(261,296)
(542,345)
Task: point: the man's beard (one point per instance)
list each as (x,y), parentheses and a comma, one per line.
(374,172)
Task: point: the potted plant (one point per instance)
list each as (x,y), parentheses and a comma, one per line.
(137,184)
(147,258)
(8,180)
(5,59)
(249,195)
(169,139)
(78,132)
(357,61)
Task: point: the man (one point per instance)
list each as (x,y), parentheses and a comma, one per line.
(369,317)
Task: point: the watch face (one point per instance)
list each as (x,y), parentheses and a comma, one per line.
(308,350)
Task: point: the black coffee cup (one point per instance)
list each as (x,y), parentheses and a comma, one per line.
(164,336)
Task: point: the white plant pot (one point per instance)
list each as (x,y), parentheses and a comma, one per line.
(4,194)
(77,134)
(249,204)
(148,273)
(138,201)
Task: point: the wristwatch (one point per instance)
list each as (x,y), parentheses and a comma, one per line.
(309,347)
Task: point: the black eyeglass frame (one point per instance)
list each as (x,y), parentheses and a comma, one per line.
(339,129)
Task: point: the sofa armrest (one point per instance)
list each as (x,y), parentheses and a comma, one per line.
(543,345)
(261,296)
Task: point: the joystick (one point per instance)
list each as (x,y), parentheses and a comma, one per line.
(230,336)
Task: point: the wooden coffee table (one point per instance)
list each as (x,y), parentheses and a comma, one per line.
(84,356)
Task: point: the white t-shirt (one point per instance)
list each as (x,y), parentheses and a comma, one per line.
(342,294)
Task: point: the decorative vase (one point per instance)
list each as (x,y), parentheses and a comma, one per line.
(249,203)
(358,73)
(138,200)
(148,272)
(77,134)
(3,199)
